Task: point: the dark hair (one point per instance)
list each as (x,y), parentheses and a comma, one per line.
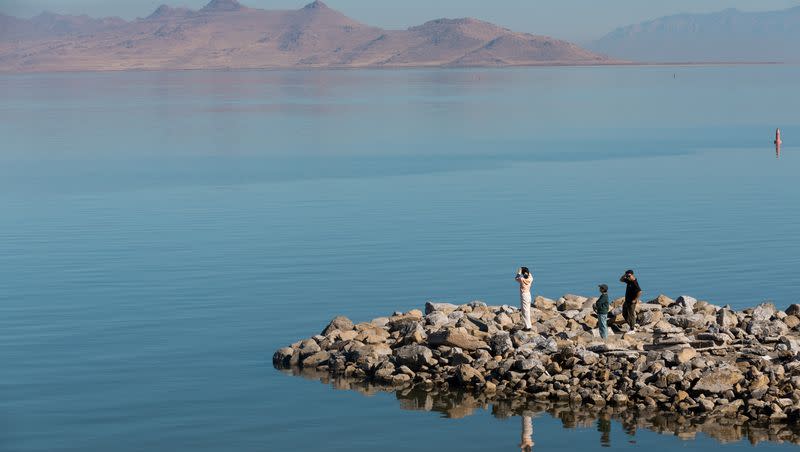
(525,272)
(629,272)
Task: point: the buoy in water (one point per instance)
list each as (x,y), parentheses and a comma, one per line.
(777,137)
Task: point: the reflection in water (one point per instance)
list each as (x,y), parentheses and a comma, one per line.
(457,404)
(604,427)
(526,443)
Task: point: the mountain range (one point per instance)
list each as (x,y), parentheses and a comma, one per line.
(726,36)
(227,34)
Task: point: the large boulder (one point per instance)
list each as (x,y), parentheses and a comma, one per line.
(308,347)
(456,337)
(649,316)
(719,380)
(543,303)
(764,312)
(445,308)
(414,356)
(340,323)
(501,343)
(317,359)
(767,329)
(662,300)
(282,356)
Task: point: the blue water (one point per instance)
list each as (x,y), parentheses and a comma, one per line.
(163,233)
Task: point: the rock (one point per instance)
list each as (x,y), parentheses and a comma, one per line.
(793,309)
(619,399)
(374,352)
(317,359)
(347,335)
(571,302)
(524,365)
(456,337)
(468,376)
(662,300)
(340,323)
(501,343)
(436,319)
(400,379)
(371,334)
(792,321)
(685,355)
(282,356)
(686,304)
(719,380)
(414,356)
(765,329)
(764,312)
(308,347)
(704,307)
(540,343)
(445,308)
(503,321)
(727,318)
(648,317)
(544,303)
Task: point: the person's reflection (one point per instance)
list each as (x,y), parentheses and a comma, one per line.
(526,444)
(604,427)
(629,425)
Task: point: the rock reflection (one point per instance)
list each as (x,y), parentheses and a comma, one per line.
(459,404)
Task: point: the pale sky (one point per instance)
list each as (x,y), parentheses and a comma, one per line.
(576,20)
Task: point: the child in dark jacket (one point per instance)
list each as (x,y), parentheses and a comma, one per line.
(601,307)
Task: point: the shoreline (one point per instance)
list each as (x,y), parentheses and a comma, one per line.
(686,357)
(400,68)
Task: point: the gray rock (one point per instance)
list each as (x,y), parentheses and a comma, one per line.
(764,312)
(686,303)
(436,318)
(501,343)
(414,356)
(793,309)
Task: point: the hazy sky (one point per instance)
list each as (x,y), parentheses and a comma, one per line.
(577,20)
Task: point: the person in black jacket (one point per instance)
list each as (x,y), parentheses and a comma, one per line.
(632,294)
(601,307)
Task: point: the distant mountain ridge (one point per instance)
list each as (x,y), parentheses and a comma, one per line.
(227,34)
(729,35)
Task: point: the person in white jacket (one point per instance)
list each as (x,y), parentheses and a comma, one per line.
(525,280)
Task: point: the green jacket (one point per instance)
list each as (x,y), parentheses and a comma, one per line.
(601,305)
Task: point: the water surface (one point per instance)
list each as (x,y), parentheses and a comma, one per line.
(163,233)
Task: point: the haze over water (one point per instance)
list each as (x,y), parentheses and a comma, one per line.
(163,233)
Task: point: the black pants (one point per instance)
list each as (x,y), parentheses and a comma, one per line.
(629,313)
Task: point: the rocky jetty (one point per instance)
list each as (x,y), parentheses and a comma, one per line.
(687,357)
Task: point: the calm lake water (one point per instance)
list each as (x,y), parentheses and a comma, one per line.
(163,233)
